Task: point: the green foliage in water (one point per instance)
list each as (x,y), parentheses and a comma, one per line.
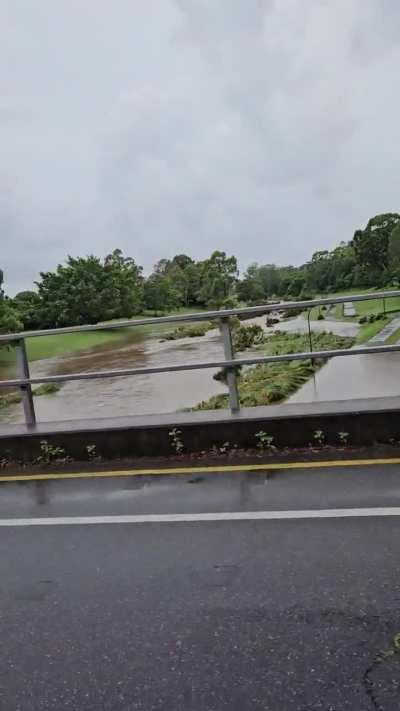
(247,336)
(10,399)
(48,389)
(193,331)
(13,398)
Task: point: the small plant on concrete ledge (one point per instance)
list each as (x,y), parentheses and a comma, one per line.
(319,438)
(343,438)
(223,448)
(394,441)
(264,441)
(175,436)
(49,453)
(91,452)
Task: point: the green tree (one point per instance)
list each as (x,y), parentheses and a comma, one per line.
(296,285)
(88,290)
(371,245)
(123,292)
(161,267)
(318,271)
(180,271)
(182,261)
(394,251)
(250,288)
(269,277)
(286,277)
(73,293)
(194,274)
(28,305)
(343,263)
(219,277)
(10,321)
(159,293)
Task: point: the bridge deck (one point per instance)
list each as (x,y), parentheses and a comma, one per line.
(201,614)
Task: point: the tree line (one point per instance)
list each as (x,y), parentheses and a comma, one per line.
(89,289)
(370,259)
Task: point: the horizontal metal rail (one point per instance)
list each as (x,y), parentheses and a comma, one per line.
(202,315)
(176,367)
(24,382)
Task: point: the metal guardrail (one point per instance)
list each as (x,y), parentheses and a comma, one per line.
(25,382)
(202,315)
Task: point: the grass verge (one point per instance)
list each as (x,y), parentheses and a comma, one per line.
(363,308)
(369,330)
(394,338)
(39,347)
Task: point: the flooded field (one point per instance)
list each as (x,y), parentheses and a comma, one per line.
(133,395)
(342,378)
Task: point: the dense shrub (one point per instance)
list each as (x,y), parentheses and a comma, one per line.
(247,336)
(192,331)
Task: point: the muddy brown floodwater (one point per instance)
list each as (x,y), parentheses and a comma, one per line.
(133,395)
(342,378)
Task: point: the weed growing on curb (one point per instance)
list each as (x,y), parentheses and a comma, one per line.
(264,440)
(50,453)
(91,452)
(175,436)
(319,438)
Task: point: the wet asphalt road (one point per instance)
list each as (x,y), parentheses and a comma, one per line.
(201,616)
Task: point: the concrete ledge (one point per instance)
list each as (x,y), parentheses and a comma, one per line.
(367,421)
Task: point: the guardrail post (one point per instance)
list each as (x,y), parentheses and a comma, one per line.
(309,334)
(231,378)
(26,390)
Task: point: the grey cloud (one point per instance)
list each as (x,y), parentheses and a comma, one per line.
(265,128)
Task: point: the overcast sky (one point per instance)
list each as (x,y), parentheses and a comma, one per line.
(267,128)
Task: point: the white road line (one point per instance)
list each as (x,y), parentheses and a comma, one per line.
(203,517)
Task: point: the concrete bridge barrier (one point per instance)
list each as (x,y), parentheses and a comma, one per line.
(366,422)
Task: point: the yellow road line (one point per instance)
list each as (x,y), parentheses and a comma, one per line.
(226,468)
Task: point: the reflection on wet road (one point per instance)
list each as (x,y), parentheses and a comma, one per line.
(328,487)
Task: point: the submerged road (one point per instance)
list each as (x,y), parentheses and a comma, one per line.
(207,613)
